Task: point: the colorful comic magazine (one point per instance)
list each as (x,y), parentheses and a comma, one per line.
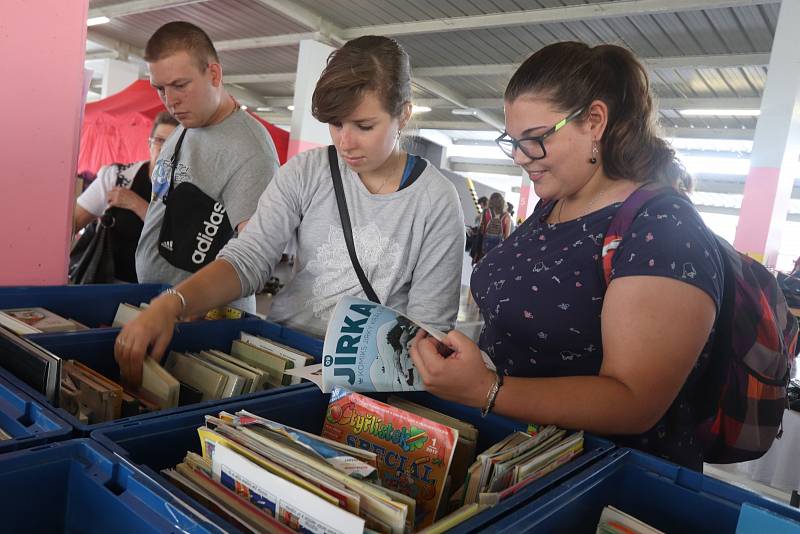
(366,349)
(414,453)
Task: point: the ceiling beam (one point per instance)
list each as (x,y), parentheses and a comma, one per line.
(709,133)
(482,165)
(709,103)
(267,41)
(137,6)
(278,77)
(278,101)
(101,54)
(448,125)
(446,93)
(326,29)
(124,50)
(662,103)
(678,62)
(707,61)
(313,21)
(578,13)
(473,142)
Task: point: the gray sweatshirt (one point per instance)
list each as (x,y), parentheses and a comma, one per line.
(410,244)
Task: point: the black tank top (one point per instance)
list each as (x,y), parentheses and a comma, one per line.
(127,226)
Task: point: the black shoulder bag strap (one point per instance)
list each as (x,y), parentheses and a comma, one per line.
(346,228)
(174,164)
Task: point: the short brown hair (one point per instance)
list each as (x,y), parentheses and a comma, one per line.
(163,118)
(180,36)
(369,63)
(572,75)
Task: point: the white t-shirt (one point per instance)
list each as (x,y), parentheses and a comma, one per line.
(95,198)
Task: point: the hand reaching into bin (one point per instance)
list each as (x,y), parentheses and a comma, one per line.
(150,333)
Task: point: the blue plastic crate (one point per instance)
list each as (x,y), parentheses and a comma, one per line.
(163,442)
(664,495)
(91,305)
(27,421)
(77,486)
(96,350)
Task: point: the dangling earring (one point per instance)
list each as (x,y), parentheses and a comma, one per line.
(593,159)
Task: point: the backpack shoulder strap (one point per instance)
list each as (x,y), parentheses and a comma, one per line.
(622,222)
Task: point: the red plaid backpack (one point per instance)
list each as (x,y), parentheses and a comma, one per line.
(743,396)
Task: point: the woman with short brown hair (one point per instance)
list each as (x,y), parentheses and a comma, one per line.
(407,224)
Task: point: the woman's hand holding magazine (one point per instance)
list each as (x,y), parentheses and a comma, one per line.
(367,348)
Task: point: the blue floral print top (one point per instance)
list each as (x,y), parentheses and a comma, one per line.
(541,295)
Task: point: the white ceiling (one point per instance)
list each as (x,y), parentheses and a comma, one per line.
(701,53)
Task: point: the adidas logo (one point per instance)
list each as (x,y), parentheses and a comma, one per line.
(167,245)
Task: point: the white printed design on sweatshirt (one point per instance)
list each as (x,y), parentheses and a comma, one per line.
(334,274)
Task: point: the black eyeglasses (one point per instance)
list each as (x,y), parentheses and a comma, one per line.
(533,147)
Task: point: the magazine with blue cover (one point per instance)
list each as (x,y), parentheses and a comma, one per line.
(367,349)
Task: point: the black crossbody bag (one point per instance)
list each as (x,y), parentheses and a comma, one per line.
(341,202)
(195,226)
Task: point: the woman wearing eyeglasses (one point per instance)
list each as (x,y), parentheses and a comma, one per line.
(623,361)
(126,189)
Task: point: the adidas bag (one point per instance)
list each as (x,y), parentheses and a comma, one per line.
(741,403)
(195,226)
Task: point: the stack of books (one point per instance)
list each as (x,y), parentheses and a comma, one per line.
(127,312)
(253,364)
(376,467)
(519,459)
(37,321)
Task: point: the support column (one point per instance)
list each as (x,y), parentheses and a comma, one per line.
(774,161)
(117,76)
(42,106)
(527,198)
(307,132)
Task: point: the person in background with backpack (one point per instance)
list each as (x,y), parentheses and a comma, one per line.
(495,224)
(626,360)
(126,188)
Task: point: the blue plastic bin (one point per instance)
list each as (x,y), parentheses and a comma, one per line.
(77,486)
(96,350)
(91,305)
(27,421)
(158,443)
(664,495)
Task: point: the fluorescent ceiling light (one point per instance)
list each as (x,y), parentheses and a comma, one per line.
(94,21)
(263,109)
(290,108)
(720,112)
(420,109)
(243,107)
(464,111)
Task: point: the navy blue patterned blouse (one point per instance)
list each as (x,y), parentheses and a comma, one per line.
(541,295)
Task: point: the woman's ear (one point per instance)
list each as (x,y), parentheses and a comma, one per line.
(405,115)
(597,119)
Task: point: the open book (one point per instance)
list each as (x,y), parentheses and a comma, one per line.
(367,349)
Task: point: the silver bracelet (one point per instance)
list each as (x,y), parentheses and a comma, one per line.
(492,395)
(173,291)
